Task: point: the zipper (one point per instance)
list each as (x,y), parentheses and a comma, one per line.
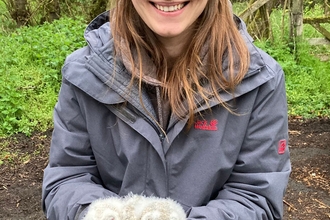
(161,138)
(156,127)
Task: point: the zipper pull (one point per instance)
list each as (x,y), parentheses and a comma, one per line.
(161,137)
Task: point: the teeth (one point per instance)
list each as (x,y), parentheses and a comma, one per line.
(171,8)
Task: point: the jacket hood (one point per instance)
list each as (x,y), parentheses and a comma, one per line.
(100,61)
(98,31)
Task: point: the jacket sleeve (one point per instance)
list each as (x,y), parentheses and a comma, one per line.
(71,179)
(257,184)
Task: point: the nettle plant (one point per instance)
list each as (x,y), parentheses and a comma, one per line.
(30,72)
(307,78)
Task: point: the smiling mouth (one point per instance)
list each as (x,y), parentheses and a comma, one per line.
(169,8)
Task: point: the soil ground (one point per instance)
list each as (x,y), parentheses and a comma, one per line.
(308,195)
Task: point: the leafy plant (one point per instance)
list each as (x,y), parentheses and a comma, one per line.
(307,78)
(31,73)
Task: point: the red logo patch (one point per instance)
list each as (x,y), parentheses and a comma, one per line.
(205,125)
(281,146)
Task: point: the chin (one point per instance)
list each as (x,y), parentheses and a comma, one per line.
(169,33)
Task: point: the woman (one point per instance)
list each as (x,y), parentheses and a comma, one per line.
(169,104)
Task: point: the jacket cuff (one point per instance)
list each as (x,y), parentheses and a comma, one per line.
(82,211)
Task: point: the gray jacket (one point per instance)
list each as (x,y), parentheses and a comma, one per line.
(227,166)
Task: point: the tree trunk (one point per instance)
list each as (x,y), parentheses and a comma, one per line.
(326,7)
(254,6)
(22,12)
(257,17)
(18,10)
(53,11)
(296,24)
(296,19)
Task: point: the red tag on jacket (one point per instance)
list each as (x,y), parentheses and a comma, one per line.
(281,146)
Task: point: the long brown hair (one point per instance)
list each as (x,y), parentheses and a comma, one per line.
(185,81)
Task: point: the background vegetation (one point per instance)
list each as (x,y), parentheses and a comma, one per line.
(32,56)
(30,72)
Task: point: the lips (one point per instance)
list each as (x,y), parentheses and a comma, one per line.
(169,8)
